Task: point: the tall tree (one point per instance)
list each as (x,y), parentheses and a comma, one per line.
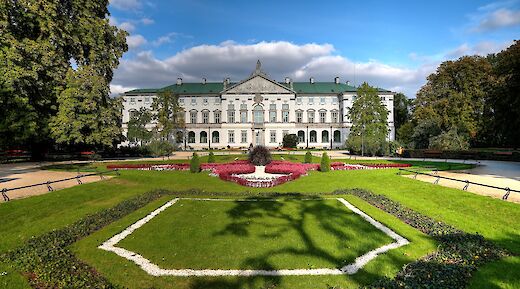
(169,115)
(137,125)
(40,42)
(401,110)
(369,122)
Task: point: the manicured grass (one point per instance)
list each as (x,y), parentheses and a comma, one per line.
(269,235)
(126,273)
(496,220)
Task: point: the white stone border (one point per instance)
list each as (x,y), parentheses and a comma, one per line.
(154,270)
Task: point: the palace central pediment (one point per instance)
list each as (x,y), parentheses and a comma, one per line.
(258,84)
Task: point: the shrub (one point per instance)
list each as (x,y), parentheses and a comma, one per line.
(260,156)
(325,163)
(308,158)
(211,157)
(290,141)
(195,163)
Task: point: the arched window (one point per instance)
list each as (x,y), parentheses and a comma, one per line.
(313,136)
(203,137)
(337,136)
(325,136)
(301,136)
(258,114)
(215,137)
(191,137)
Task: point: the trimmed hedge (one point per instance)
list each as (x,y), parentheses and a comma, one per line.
(195,163)
(308,158)
(325,163)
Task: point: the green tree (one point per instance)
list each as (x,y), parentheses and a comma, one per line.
(401,110)
(308,158)
(405,133)
(325,163)
(423,132)
(369,122)
(159,148)
(450,140)
(290,141)
(169,115)
(195,163)
(86,116)
(137,130)
(41,42)
(211,157)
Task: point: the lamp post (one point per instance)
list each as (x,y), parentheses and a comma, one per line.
(330,135)
(307,139)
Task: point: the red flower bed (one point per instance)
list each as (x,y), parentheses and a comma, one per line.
(385,166)
(361,166)
(130,167)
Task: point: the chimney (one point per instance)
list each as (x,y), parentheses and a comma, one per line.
(179,81)
(287,80)
(348,82)
(311,80)
(336,80)
(203,80)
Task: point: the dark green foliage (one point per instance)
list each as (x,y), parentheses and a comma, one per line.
(290,141)
(325,163)
(424,132)
(308,158)
(401,110)
(449,140)
(259,156)
(211,157)
(169,115)
(195,163)
(137,126)
(159,148)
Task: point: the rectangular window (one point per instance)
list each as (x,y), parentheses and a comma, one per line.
(193,117)
(231,116)
(272,106)
(272,116)
(284,133)
(299,116)
(217,116)
(243,116)
(132,100)
(181,100)
(334,116)
(285,116)
(217,100)
(243,106)
(323,115)
(334,100)
(231,136)
(299,101)
(322,100)
(285,106)
(205,101)
(311,100)
(310,117)
(193,100)
(243,138)
(205,117)
(147,100)
(273,136)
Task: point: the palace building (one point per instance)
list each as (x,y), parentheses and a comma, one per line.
(259,111)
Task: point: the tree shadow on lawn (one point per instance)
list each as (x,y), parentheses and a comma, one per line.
(304,213)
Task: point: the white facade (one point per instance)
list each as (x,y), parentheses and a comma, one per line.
(260,111)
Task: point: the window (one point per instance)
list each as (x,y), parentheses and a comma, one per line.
(193,100)
(323,115)
(285,106)
(273,136)
(299,101)
(243,116)
(312,136)
(231,136)
(272,106)
(217,100)
(285,116)
(193,116)
(231,116)
(147,100)
(322,100)
(337,136)
(311,100)
(205,101)
(324,136)
(272,112)
(132,100)
(258,114)
(243,137)
(215,137)
(301,136)
(205,116)
(334,100)
(181,100)
(284,133)
(216,114)
(299,116)
(132,113)
(191,137)
(203,137)
(243,106)
(310,116)
(334,116)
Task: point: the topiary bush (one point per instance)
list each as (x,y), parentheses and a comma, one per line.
(259,156)
(325,163)
(290,141)
(195,163)
(308,158)
(211,157)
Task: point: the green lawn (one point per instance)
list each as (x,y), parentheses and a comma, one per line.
(496,220)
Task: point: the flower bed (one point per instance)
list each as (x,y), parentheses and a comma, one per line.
(166,167)
(361,166)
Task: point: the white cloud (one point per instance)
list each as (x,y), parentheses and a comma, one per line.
(127,26)
(118,89)
(279,59)
(135,41)
(500,18)
(126,4)
(482,48)
(147,21)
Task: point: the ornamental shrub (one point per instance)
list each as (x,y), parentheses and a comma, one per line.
(325,163)
(308,158)
(290,141)
(195,163)
(259,156)
(211,157)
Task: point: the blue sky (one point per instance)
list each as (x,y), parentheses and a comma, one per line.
(386,43)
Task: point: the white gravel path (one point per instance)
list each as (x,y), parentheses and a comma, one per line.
(154,270)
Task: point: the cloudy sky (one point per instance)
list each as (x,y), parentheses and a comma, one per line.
(389,44)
